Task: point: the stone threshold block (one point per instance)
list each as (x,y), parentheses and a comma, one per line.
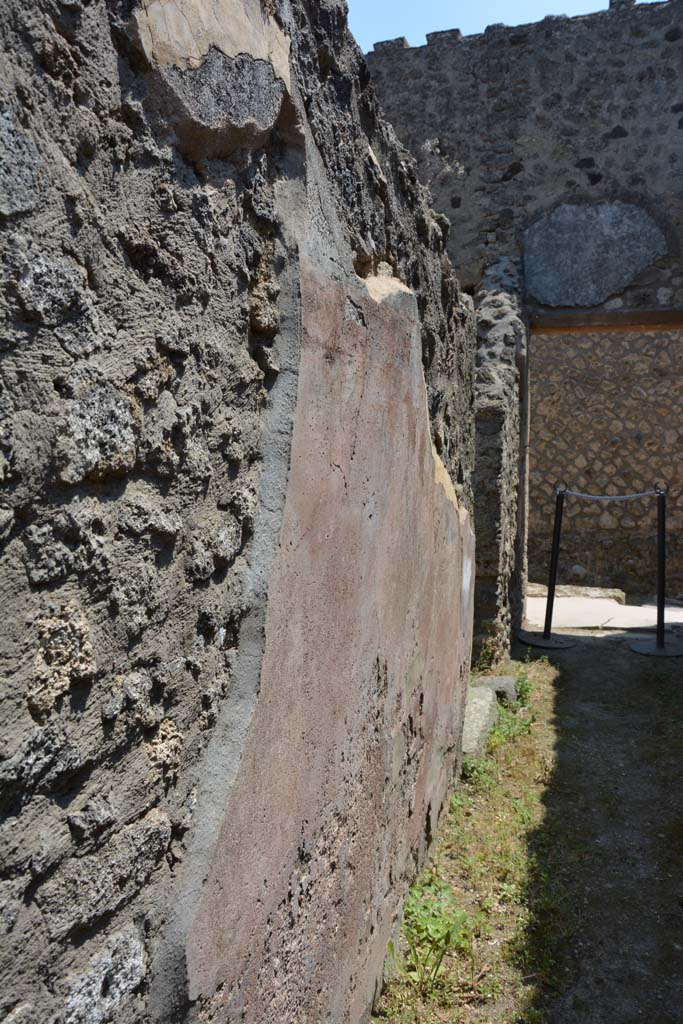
(481,712)
(504,688)
(481,715)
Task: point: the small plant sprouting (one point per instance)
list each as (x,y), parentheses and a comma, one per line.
(488,655)
(523,687)
(433,925)
(457,804)
(480,772)
(511,726)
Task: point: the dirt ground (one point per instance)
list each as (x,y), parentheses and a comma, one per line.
(564,846)
(615,798)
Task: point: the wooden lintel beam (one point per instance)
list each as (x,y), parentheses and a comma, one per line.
(574,320)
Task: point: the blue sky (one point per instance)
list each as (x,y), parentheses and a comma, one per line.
(374,20)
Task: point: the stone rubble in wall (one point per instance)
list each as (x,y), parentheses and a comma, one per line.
(501,351)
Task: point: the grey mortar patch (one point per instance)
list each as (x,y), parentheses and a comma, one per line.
(226,104)
(91,887)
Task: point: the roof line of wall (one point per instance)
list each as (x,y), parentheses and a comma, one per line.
(454,36)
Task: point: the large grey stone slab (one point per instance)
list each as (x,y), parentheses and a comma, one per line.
(481,714)
(504,688)
(579,255)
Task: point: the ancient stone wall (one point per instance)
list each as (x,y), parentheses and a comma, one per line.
(236,454)
(500,477)
(609,415)
(515,121)
(559,146)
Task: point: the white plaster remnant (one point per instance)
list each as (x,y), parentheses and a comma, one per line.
(383,285)
(181,32)
(467,572)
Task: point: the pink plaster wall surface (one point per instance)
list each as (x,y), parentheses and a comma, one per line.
(368,631)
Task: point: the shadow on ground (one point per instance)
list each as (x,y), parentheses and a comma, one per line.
(605,940)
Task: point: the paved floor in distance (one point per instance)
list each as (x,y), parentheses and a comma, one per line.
(597,613)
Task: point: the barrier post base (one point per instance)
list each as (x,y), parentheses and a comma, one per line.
(551,643)
(671,649)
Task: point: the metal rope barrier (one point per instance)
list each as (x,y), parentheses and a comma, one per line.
(612,497)
(659,648)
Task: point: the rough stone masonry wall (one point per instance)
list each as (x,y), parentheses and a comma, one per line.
(500,476)
(557,145)
(610,410)
(508,124)
(235,573)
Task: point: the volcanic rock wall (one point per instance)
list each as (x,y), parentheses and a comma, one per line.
(556,146)
(236,455)
(501,473)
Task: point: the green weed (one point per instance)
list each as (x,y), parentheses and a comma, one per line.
(511,725)
(523,812)
(433,925)
(479,772)
(484,924)
(523,687)
(487,656)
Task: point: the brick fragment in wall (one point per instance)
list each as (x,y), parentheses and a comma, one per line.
(172,165)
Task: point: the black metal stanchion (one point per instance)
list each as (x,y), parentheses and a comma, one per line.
(661,565)
(554,561)
(547,640)
(659,648)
